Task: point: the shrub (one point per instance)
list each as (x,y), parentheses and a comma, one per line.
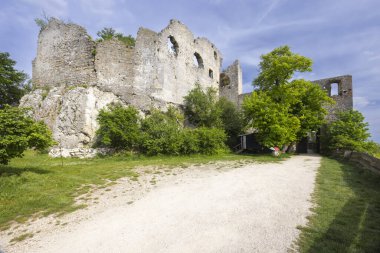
(119,127)
(190,142)
(349,132)
(204,109)
(232,120)
(108,33)
(161,133)
(158,133)
(200,107)
(20,132)
(211,140)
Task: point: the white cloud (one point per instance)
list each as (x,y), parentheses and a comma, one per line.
(267,11)
(361,102)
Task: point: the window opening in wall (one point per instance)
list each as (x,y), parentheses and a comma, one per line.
(334,90)
(211,73)
(172,45)
(215,55)
(198,61)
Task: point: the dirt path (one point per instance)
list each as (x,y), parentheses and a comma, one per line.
(212,208)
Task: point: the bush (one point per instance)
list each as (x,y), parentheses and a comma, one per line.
(204,109)
(232,120)
(108,33)
(158,133)
(211,140)
(20,132)
(161,133)
(190,143)
(200,107)
(349,132)
(119,127)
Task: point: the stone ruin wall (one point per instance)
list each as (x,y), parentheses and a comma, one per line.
(64,56)
(234,88)
(344,98)
(76,77)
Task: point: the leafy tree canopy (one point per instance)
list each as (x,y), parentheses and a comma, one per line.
(108,33)
(272,121)
(12,81)
(119,127)
(350,132)
(279,66)
(20,132)
(204,109)
(280,110)
(200,107)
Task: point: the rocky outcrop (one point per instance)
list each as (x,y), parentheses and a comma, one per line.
(70,113)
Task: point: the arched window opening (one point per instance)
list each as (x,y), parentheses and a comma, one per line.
(172,45)
(211,73)
(215,55)
(334,89)
(198,61)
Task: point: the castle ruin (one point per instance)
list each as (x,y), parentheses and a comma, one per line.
(75,77)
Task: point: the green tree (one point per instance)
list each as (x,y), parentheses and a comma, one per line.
(231,118)
(11,81)
(279,66)
(349,132)
(307,102)
(200,107)
(18,132)
(205,109)
(108,33)
(161,132)
(272,122)
(119,127)
(286,110)
(210,140)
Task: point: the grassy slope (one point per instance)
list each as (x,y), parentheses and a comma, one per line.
(38,183)
(347,213)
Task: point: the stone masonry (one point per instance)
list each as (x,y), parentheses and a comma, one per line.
(75,77)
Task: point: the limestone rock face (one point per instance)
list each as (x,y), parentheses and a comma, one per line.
(71,114)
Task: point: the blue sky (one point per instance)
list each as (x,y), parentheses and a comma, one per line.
(341,36)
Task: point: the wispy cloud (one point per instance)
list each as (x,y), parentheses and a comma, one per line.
(266,12)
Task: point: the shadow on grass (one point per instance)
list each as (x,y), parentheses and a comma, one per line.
(356,228)
(7,171)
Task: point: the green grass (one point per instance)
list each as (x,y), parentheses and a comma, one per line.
(39,185)
(22,237)
(347,213)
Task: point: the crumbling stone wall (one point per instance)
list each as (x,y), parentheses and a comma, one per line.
(114,62)
(231,87)
(344,98)
(166,66)
(64,56)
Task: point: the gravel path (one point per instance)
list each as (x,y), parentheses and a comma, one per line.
(248,208)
